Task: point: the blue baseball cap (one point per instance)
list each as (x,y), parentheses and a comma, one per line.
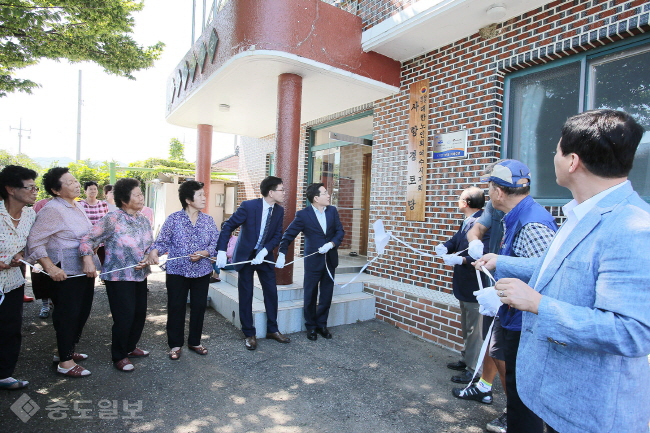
(508,173)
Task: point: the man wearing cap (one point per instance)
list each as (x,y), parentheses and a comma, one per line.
(528,231)
(583,363)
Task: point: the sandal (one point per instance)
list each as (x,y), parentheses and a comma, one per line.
(198,349)
(124,365)
(16,384)
(76,371)
(175,354)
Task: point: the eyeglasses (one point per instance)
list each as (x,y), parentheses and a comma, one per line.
(32,188)
(278,190)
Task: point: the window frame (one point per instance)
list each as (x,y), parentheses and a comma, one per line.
(586,59)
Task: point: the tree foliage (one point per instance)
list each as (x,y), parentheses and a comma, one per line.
(176,150)
(98,31)
(162,166)
(21,159)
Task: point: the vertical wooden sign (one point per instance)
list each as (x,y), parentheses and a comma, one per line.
(417,150)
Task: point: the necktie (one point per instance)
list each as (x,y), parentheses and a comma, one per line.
(266,229)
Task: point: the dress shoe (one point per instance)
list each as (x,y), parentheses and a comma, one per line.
(466,377)
(27,298)
(458,365)
(312,335)
(251,343)
(324,332)
(277,336)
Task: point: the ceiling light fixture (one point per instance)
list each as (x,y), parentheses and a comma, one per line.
(496,12)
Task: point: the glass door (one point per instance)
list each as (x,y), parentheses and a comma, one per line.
(343,165)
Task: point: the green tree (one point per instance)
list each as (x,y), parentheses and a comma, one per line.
(7,158)
(77,30)
(176,150)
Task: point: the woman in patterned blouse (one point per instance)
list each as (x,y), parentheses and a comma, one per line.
(192,235)
(127,237)
(17,189)
(54,242)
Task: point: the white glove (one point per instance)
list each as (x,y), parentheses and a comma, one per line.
(441,249)
(489,300)
(259,258)
(222,259)
(452,259)
(325,248)
(279,263)
(475,249)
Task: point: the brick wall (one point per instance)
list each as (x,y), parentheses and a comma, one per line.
(467,85)
(427,314)
(375,11)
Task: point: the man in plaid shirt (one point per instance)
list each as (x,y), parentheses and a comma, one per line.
(528,231)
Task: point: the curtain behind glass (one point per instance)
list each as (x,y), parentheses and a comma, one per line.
(622,82)
(539,105)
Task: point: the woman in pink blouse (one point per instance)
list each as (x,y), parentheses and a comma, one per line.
(127,237)
(17,189)
(54,242)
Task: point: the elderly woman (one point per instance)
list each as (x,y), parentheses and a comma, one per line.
(110,199)
(126,235)
(17,189)
(192,235)
(54,242)
(95,209)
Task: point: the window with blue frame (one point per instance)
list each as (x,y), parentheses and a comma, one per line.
(539,100)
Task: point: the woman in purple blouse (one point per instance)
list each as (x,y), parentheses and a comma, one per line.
(127,237)
(192,235)
(54,242)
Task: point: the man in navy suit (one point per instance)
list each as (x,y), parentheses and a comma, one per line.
(323,232)
(261,230)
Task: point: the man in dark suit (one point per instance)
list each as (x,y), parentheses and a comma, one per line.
(261,230)
(323,232)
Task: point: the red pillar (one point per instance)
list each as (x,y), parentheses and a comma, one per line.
(286,154)
(204,159)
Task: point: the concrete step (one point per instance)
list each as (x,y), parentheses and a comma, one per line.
(295,292)
(346,308)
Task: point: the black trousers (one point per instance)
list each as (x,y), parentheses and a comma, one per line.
(178,287)
(73,300)
(266,274)
(128,302)
(317,281)
(11,320)
(520,418)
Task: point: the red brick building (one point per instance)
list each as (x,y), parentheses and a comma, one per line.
(506,74)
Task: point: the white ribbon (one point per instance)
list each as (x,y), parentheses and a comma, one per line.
(488,336)
(39,270)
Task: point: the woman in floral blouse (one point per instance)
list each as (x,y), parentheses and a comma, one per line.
(192,235)
(17,189)
(127,237)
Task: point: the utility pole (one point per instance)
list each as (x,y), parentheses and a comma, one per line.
(20,134)
(79,121)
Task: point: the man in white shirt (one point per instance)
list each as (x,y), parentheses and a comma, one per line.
(323,231)
(582,363)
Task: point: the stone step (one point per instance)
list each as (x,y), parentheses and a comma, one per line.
(292,293)
(346,308)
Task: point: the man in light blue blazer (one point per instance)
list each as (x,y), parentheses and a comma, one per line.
(323,231)
(582,364)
